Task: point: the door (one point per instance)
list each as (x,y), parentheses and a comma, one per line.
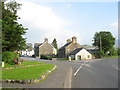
(79,57)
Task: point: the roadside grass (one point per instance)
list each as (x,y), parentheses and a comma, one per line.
(24,63)
(33,72)
(110,57)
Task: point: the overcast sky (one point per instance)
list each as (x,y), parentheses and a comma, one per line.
(62,20)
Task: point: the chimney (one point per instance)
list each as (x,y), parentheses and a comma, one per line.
(74,39)
(68,40)
(46,40)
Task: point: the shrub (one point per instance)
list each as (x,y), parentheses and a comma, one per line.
(33,55)
(9,57)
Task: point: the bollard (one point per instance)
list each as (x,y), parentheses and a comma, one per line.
(69,58)
(3,64)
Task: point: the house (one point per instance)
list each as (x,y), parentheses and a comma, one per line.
(68,48)
(27,52)
(80,54)
(44,48)
(92,49)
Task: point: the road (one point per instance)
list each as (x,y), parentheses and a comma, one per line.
(96,74)
(102,73)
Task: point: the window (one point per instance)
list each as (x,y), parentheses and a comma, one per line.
(88,56)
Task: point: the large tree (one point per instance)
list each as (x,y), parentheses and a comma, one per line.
(12,31)
(54,43)
(104,40)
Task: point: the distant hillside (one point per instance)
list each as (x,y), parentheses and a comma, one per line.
(88,46)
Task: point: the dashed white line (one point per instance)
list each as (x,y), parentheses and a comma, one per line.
(80,68)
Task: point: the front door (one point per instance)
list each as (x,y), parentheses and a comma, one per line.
(79,57)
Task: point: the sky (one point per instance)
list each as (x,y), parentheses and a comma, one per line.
(63,20)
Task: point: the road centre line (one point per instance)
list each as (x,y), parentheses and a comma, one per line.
(80,68)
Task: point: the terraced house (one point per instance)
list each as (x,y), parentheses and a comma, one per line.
(44,48)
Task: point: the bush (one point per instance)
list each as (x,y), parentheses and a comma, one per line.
(33,55)
(8,57)
(118,51)
(46,57)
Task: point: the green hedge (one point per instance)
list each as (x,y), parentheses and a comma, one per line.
(46,57)
(9,57)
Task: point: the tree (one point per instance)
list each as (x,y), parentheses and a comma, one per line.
(54,43)
(104,41)
(12,31)
(113,51)
(118,51)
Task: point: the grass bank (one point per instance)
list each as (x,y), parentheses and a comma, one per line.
(110,57)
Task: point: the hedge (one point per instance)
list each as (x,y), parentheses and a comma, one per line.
(9,57)
(46,57)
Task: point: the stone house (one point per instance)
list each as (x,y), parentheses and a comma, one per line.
(44,48)
(80,54)
(70,46)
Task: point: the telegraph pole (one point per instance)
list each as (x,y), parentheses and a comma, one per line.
(100,44)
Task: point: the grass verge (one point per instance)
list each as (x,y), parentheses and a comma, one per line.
(33,72)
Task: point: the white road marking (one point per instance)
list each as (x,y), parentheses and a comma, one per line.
(116,67)
(80,67)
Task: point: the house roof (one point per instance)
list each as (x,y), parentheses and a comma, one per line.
(67,44)
(37,44)
(76,51)
(40,44)
(92,50)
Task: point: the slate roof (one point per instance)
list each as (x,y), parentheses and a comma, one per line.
(76,51)
(92,50)
(67,44)
(37,44)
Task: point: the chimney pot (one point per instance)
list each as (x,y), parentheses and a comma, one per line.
(46,40)
(74,39)
(68,40)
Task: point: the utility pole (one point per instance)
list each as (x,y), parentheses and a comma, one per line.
(100,44)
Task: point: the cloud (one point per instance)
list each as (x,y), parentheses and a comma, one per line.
(114,25)
(68,5)
(43,22)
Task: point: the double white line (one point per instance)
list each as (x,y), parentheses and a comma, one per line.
(80,67)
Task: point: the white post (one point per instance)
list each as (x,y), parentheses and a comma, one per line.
(69,58)
(3,64)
